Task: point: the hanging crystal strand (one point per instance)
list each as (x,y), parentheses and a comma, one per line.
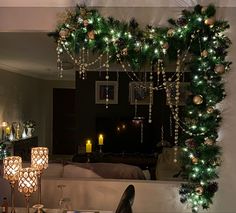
(83,63)
(177,84)
(162,135)
(150,102)
(59,61)
(141,132)
(171,130)
(107,79)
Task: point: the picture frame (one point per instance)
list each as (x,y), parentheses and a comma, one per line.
(104,87)
(139,93)
(183,90)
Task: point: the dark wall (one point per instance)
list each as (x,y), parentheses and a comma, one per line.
(89,117)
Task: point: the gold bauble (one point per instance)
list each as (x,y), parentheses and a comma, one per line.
(91,35)
(209,21)
(199,190)
(64,33)
(209,141)
(219,69)
(194,160)
(124,51)
(165,45)
(170,32)
(198,99)
(204,53)
(210,109)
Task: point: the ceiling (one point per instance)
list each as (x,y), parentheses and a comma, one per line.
(26,48)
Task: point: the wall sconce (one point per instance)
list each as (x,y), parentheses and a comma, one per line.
(11,168)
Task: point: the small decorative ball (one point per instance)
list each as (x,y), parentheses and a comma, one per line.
(124,51)
(165,45)
(197,99)
(190,143)
(199,190)
(85,23)
(204,53)
(64,33)
(91,35)
(194,160)
(181,21)
(170,32)
(209,141)
(209,21)
(219,69)
(210,109)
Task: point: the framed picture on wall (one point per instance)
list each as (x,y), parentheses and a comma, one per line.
(183,90)
(102,88)
(139,93)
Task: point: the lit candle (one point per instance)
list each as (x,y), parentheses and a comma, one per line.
(88,146)
(100,139)
(8,130)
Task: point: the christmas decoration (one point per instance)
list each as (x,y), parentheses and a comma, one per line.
(194,160)
(199,190)
(197,34)
(209,21)
(170,32)
(209,141)
(91,35)
(204,53)
(210,109)
(197,99)
(64,33)
(219,69)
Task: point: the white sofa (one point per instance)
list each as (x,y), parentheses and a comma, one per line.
(89,190)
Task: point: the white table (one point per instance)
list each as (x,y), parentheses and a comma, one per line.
(23,210)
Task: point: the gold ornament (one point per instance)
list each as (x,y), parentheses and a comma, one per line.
(124,51)
(209,141)
(64,33)
(204,53)
(165,45)
(199,190)
(209,21)
(194,160)
(198,99)
(91,35)
(170,32)
(219,69)
(210,109)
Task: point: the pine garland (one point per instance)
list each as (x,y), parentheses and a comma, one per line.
(203,36)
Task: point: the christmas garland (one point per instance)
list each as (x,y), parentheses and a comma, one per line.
(197,32)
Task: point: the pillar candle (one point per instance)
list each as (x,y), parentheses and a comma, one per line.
(100,139)
(88,146)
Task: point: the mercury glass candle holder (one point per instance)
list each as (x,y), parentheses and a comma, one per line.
(39,161)
(11,168)
(27,183)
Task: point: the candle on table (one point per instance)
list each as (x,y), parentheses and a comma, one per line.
(88,146)
(100,139)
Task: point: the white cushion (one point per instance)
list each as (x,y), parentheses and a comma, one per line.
(53,170)
(74,171)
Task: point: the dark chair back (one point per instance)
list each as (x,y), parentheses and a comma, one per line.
(126,201)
